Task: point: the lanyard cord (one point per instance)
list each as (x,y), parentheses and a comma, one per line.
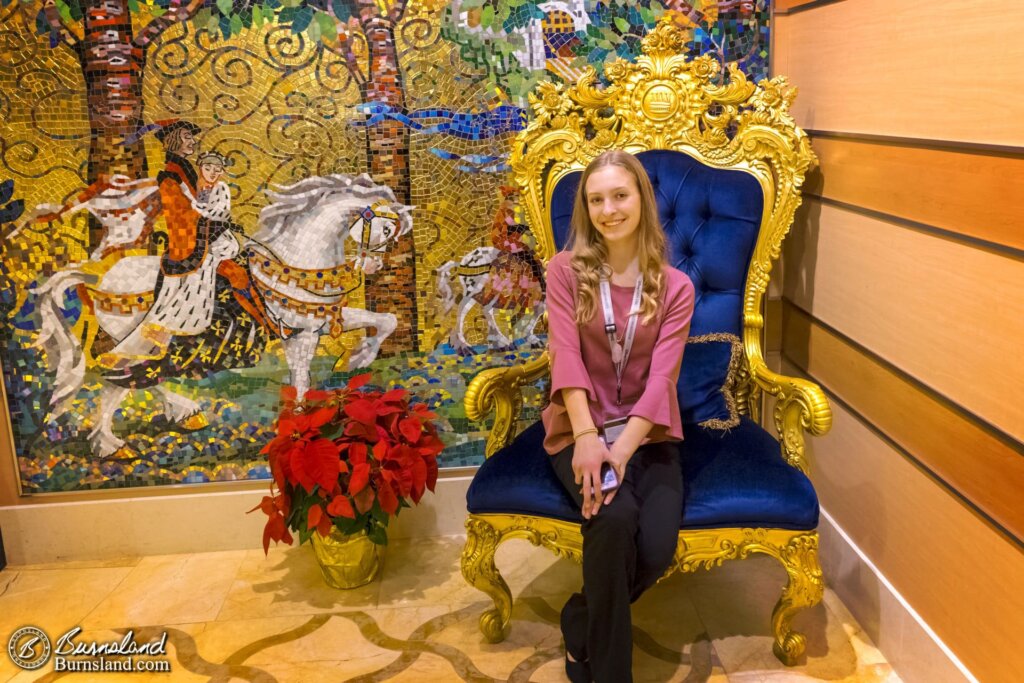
(620,352)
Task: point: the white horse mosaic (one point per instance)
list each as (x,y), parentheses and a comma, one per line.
(298,259)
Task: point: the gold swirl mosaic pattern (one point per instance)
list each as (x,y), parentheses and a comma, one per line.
(424,96)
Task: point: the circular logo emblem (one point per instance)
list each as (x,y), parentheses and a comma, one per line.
(660,102)
(29,648)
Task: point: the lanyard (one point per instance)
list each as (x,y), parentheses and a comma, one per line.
(620,353)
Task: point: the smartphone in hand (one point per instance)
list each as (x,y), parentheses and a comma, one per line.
(609,479)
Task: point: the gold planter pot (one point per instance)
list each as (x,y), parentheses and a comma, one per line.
(347,561)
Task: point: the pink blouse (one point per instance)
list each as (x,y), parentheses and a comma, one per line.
(581,358)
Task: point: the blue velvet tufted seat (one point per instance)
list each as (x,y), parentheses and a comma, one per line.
(726,163)
(730,479)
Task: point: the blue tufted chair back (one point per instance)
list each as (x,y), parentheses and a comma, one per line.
(711,218)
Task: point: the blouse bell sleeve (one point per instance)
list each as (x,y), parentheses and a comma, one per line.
(567,368)
(659,401)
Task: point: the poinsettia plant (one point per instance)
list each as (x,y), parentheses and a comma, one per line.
(349,458)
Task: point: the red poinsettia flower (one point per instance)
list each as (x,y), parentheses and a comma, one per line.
(277,509)
(340,455)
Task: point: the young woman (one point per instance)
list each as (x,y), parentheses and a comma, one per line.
(613,300)
(214,206)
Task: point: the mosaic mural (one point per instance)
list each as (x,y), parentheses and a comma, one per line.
(203,201)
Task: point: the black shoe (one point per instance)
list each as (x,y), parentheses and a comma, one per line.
(577,672)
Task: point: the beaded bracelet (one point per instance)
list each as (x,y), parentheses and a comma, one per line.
(577,435)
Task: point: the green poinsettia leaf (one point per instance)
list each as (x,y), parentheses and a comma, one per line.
(378,535)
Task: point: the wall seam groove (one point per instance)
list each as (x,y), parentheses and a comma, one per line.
(927,471)
(814,4)
(992,430)
(978,148)
(943,233)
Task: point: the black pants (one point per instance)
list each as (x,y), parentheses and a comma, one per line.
(627,546)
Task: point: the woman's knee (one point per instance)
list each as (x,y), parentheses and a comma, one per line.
(657,554)
(656,543)
(620,518)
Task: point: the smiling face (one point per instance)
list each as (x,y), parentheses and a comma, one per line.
(613,203)
(212,171)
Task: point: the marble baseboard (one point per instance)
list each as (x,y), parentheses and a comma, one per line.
(917,655)
(106,530)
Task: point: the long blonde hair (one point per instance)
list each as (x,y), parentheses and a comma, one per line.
(590,253)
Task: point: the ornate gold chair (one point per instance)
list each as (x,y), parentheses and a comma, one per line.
(727,162)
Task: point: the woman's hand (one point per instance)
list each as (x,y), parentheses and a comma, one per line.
(588,455)
(618,456)
(625,446)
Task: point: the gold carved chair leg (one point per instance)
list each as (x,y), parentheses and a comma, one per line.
(796,550)
(484,533)
(804,589)
(478,568)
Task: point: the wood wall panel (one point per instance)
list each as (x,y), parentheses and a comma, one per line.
(947,314)
(974,194)
(955,569)
(914,68)
(789,5)
(984,469)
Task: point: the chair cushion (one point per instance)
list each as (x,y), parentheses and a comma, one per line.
(704,399)
(711,218)
(733,478)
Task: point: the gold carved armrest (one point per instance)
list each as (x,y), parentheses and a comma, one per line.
(499,390)
(800,405)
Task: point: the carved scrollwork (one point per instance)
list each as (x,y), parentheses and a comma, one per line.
(663,101)
(484,533)
(478,569)
(805,589)
(800,406)
(497,390)
(562,538)
(748,393)
(797,551)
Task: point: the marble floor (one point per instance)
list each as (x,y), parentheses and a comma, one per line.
(243,616)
